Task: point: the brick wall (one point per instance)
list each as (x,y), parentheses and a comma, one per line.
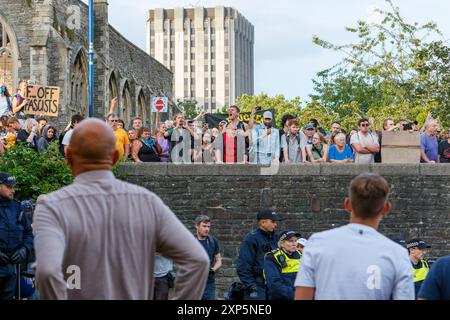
(309,196)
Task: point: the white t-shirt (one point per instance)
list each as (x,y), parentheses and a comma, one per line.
(363,140)
(67,137)
(356,262)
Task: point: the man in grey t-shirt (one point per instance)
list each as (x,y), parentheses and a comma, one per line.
(356,262)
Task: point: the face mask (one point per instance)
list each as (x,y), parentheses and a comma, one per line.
(2,90)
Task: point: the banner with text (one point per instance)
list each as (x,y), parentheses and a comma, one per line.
(213,119)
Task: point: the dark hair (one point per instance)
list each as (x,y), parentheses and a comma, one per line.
(337,122)
(122,122)
(407,126)
(236,107)
(314,122)
(76,118)
(368,193)
(202,219)
(41,118)
(362,120)
(285,118)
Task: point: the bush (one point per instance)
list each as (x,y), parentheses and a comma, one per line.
(36,173)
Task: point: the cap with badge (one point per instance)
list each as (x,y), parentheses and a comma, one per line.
(268,214)
(7,179)
(286,235)
(418,243)
(309,127)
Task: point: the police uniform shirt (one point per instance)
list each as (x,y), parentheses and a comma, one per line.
(356,262)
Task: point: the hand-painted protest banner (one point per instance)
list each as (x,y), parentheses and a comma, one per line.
(213,120)
(43,101)
(160,104)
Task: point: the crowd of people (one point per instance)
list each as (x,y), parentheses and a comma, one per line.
(232,141)
(116,229)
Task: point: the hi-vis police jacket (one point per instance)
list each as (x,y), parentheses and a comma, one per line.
(421,273)
(280,271)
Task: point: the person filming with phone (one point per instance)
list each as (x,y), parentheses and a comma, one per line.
(266,141)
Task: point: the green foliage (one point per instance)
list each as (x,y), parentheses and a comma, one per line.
(36,173)
(394,70)
(188,107)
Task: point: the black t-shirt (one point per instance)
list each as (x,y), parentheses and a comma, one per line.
(444,151)
(211,246)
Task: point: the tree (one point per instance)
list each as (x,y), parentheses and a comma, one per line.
(36,173)
(189,107)
(394,66)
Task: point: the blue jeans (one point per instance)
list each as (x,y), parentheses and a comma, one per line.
(210,289)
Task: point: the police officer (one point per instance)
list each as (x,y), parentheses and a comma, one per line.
(16,238)
(417,249)
(255,245)
(281,266)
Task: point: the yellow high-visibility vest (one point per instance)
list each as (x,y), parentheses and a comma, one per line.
(421,274)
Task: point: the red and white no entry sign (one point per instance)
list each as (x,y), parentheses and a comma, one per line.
(159,104)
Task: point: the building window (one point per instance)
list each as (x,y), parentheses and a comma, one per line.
(79,99)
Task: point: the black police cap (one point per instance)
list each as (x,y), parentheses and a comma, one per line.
(7,179)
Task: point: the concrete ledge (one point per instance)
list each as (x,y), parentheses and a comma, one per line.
(143,169)
(164,169)
(435,169)
(395,169)
(347,169)
(192,170)
(299,170)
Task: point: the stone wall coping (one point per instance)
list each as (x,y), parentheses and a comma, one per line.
(170,169)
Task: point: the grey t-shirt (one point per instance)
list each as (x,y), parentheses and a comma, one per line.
(356,262)
(294,150)
(370,138)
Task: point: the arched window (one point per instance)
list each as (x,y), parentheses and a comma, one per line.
(141,107)
(8,58)
(113,89)
(126,104)
(79,89)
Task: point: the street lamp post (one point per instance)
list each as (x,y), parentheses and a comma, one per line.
(91,58)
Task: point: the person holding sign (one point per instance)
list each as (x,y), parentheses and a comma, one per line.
(19,100)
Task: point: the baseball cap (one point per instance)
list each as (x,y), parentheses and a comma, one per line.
(302,241)
(267,115)
(268,214)
(309,127)
(421,244)
(285,235)
(7,179)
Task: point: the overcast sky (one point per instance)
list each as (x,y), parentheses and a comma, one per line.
(285,58)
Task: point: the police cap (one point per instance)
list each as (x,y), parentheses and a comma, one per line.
(421,244)
(7,179)
(268,214)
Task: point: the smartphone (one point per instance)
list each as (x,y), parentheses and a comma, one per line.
(32,82)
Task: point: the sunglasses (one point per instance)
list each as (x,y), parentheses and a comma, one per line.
(365,125)
(114,120)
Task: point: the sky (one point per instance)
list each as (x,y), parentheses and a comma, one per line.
(286,60)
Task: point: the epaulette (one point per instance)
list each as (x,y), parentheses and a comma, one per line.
(272,252)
